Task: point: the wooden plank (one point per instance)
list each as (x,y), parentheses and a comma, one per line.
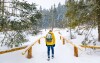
(12,50)
(97,47)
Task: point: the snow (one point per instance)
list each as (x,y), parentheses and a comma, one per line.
(13,18)
(63,53)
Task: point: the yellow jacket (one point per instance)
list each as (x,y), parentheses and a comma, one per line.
(53,39)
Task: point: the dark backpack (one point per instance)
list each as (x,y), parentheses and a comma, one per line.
(49,37)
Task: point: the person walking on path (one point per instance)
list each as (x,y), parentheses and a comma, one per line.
(50,43)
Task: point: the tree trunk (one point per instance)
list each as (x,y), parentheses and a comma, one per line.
(2,24)
(3,8)
(98,17)
(99,28)
(0,6)
(70,29)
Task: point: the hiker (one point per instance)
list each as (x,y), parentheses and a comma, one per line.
(50,43)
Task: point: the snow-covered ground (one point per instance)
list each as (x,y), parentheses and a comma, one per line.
(63,53)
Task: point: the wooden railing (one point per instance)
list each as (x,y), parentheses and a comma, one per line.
(13,49)
(93,47)
(66,40)
(29,48)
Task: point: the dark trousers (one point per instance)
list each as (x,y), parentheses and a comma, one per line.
(48,50)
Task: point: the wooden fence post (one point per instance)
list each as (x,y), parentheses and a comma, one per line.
(39,41)
(63,41)
(75,51)
(60,37)
(29,55)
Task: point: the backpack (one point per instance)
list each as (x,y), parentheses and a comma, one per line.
(49,37)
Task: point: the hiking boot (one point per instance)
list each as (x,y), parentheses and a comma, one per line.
(52,56)
(48,59)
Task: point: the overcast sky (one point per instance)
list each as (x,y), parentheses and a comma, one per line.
(46,3)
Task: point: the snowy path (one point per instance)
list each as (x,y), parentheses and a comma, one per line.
(63,54)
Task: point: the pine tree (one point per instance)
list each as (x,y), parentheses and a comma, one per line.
(28,15)
(85,12)
(98,17)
